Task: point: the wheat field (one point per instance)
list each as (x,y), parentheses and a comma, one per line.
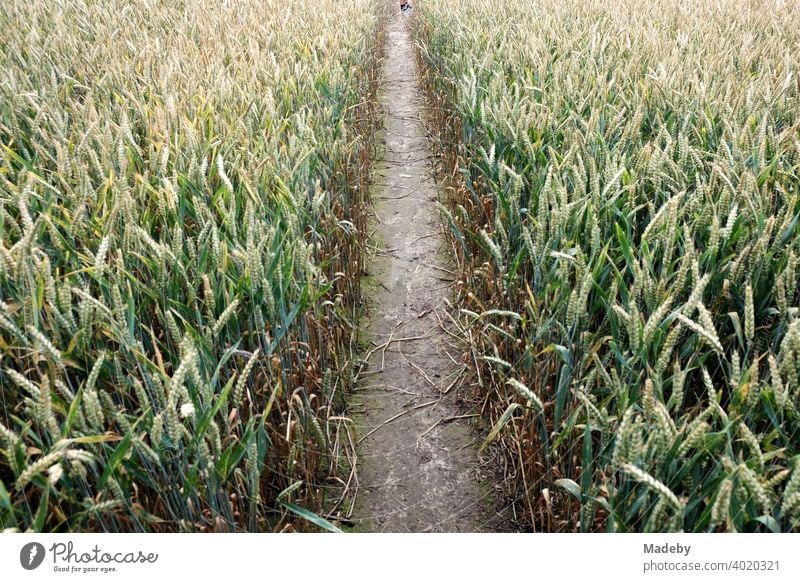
(626,220)
(180,207)
(184,220)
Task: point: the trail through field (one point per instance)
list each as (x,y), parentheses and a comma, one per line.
(417,466)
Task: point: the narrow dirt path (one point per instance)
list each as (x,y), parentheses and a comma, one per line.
(417,464)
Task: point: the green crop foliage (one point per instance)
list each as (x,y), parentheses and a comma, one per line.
(181,203)
(627,224)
